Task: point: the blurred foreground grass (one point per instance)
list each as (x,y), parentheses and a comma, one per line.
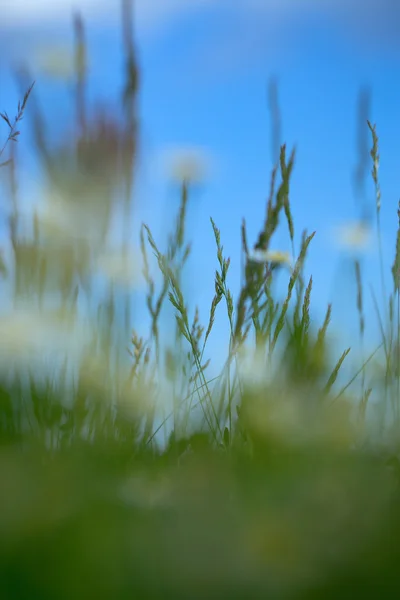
(93,522)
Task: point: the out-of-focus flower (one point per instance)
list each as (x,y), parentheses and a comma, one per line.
(125,267)
(30,334)
(253,368)
(273,257)
(121,267)
(99,378)
(84,182)
(284,415)
(353,236)
(189,164)
(63,222)
(65,219)
(57,221)
(55,62)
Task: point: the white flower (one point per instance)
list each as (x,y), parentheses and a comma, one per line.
(28,335)
(120,267)
(253,369)
(99,377)
(270,256)
(55,62)
(189,164)
(63,221)
(56,221)
(353,236)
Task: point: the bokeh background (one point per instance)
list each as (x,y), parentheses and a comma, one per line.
(225,82)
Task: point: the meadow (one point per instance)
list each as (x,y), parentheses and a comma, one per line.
(128,471)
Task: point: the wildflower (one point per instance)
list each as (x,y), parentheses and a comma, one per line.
(120,267)
(353,236)
(63,221)
(55,62)
(189,164)
(97,376)
(82,184)
(274,258)
(283,413)
(57,220)
(253,371)
(28,334)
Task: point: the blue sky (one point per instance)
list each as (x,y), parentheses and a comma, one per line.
(205,68)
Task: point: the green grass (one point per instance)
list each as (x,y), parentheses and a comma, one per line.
(257,482)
